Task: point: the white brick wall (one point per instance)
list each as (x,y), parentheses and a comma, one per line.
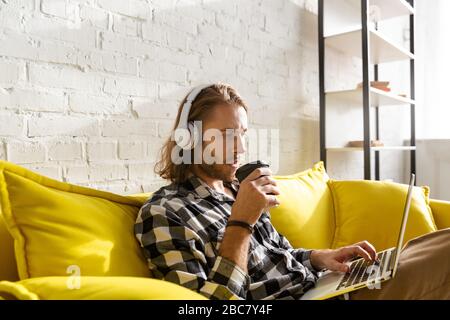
(65,151)
(11,125)
(10,74)
(26,152)
(101,151)
(89,89)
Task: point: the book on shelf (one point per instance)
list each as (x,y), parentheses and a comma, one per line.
(380,85)
(360,144)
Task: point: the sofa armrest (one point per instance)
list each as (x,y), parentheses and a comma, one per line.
(142,197)
(441,213)
(15,291)
(95,288)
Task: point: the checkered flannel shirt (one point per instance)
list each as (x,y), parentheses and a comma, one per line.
(180,229)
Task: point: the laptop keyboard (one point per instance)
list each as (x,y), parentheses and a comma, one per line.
(361,270)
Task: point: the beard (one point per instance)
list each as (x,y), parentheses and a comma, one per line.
(222,172)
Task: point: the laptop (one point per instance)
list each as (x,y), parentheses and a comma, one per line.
(363,274)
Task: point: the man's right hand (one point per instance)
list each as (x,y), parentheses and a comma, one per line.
(256,195)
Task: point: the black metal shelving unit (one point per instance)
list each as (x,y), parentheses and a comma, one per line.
(364,35)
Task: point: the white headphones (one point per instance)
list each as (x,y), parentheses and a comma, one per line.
(186,135)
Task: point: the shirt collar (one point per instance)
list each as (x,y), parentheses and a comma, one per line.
(203,190)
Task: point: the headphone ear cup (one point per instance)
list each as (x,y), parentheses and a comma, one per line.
(187,135)
(194,135)
(182,137)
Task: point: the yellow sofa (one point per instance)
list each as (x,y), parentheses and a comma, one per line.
(62,241)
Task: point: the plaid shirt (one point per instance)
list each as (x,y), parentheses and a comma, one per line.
(180,229)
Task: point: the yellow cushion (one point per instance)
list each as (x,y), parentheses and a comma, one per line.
(141,197)
(441,213)
(305,216)
(372,211)
(96,288)
(56,225)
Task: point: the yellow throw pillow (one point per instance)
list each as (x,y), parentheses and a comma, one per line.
(62,229)
(372,211)
(441,213)
(141,197)
(95,288)
(305,216)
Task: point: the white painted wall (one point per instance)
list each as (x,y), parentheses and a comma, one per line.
(434,167)
(433,67)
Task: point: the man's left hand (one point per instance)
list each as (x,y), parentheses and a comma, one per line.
(335,260)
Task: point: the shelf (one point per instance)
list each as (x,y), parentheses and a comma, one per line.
(382,50)
(346,149)
(341,29)
(340,14)
(378,98)
(388,8)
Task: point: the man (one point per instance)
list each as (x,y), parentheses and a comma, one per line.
(207,232)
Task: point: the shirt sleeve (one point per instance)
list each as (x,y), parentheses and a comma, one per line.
(301,255)
(176,253)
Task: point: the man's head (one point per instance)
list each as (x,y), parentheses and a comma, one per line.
(223,117)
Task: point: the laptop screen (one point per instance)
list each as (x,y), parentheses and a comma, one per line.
(404,222)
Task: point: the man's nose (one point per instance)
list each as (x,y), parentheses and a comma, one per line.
(240,145)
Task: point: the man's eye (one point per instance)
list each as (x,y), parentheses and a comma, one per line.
(232,134)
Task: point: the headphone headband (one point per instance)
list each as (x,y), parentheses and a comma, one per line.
(184,133)
(183,122)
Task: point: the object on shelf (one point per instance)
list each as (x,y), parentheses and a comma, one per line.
(380,85)
(360,144)
(375,14)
